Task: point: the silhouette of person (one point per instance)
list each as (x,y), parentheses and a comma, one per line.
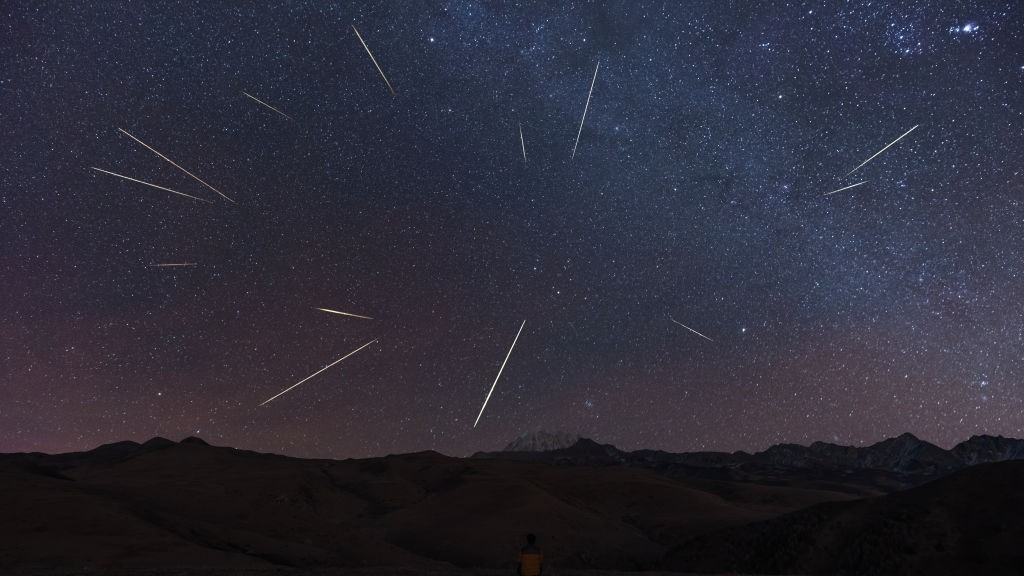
(531,559)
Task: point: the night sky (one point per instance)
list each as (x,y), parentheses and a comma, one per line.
(697,194)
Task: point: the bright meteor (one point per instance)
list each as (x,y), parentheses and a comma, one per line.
(265,402)
(173,265)
(151,185)
(690,329)
(267,105)
(523,142)
(344,313)
(499,374)
(589,94)
(882,150)
(393,93)
(151,149)
(846,188)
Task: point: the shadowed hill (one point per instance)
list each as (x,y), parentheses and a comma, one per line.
(971,522)
(189,504)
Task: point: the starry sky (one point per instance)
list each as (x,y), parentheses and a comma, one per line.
(697,194)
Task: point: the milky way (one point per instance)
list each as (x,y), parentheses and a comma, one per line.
(697,196)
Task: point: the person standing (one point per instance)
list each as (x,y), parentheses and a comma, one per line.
(531,559)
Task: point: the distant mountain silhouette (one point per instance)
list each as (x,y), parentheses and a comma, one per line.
(102,455)
(541,441)
(888,465)
(985,449)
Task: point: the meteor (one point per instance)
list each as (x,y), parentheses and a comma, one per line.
(172,265)
(175,165)
(585,110)
(267,105)
(521,141)
(393,93)
(265,402)
(499,374)
(344,313)
(882,150)
(846,188)
(690,329)
(151,185)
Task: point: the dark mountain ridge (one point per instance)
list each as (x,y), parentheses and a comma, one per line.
(162,504)
(894,463)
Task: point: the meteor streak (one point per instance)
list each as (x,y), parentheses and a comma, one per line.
(267,105)
(344,313)
(152,185)
(521,141)
(499,374)
(882,150)
(846,188)
(175,165)
(690,329)
(585,110)
(393,93)
(317,372)
(172,265)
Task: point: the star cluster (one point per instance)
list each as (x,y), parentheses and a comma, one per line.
(697,194)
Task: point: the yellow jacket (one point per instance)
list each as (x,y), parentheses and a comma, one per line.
(531,561)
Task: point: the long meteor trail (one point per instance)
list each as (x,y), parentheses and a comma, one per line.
(589,94)
(151,149)
(174,265)
(690,329)
(390,87)
(499,374)
(882,150)
(845,188)
(151,185)
(267,105)
(265,402)
(344,313)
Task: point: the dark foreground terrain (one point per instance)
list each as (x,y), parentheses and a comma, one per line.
(189,508)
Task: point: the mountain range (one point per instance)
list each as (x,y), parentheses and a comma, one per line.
(891,464)
(191,508)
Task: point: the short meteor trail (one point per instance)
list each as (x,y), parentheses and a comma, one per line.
(521,141)
(151,185)
(267,105)
(882,150)
(344,313)
(393,93)
(150,148)
(690,329)
(846,188)
(499,374)
(317,372)
(585,110)
(172,265)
